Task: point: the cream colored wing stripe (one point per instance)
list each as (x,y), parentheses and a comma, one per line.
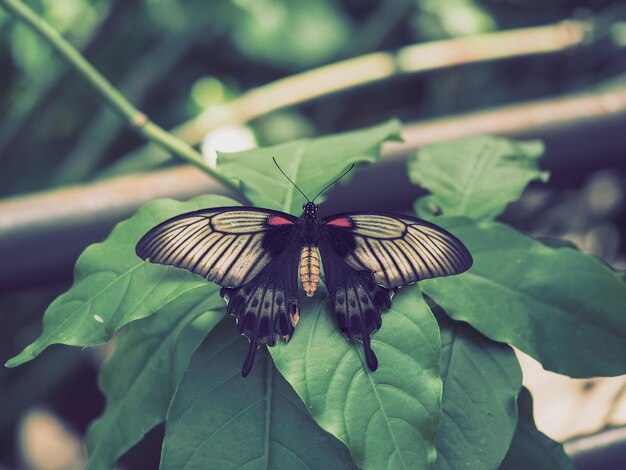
(402,250)
(223,246)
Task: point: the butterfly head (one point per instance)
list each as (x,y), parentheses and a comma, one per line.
(310,210)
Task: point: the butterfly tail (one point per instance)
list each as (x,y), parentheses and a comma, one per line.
(357,300)
(370,357)
(266,308)
(249,361)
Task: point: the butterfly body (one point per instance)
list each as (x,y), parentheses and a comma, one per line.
(257,256)
(309,269)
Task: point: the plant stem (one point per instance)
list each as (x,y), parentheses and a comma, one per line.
(112,96)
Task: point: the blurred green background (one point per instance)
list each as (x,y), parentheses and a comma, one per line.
(175,59)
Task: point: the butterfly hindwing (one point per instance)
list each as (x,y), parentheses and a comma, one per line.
(366,256)
(397,249)
(266,308)
(227,245)
(357,300)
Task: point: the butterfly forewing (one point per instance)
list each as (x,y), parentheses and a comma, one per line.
(227,245)
(397,250)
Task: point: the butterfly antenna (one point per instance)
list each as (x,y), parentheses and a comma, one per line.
(329,185)
(294,184)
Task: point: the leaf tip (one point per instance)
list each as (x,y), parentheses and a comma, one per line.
(18,360)
(29,353)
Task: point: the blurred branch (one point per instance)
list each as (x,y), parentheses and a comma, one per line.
(603,449)
(116,100)
(359,71)
(41,235)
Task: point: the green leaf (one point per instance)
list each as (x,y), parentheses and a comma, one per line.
(561,306)
(531,448)
(139,378)
(113,287)
(481,381)
(310,163)
(220,420)
(389,418)
(475,177)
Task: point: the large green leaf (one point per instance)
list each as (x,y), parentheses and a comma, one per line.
(220,420)
(481,381)
(139,378)
(475,177)
(388,418)
(561,306)
(310,163)
(531,448)
(113,287)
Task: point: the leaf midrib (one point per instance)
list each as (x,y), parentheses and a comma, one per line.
(471,181)
(382,409)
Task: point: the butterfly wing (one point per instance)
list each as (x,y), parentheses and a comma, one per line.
(357,300)
(252,253)
(266,308)
(226,245)
(397,249)
(366,256)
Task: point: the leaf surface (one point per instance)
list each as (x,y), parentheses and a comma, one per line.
(531,448)
(139,378)
(218,419)
(388,418)
(113,287)
(475,177)
(310,163)
(481,381)
(559,305)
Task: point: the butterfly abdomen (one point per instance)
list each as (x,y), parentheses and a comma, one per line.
(309,269)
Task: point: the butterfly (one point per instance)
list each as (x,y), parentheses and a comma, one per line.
(257,255)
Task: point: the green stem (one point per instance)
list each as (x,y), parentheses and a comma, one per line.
(112,96)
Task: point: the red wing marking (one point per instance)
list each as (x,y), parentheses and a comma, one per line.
(344,222)
(278,220)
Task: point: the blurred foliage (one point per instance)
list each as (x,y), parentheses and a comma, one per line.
(289,33)
(173,60)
